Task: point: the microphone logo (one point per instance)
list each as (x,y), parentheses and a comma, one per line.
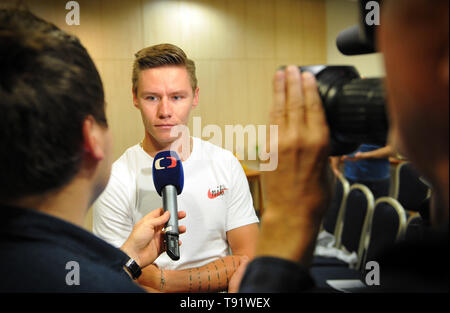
(172,164)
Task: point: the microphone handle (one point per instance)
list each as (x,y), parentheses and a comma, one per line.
(169,195)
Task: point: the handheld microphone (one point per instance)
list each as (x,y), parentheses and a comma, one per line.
(168,178)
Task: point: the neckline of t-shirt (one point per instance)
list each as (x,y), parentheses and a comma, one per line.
(195,142)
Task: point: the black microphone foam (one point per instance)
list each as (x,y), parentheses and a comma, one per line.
(351,41)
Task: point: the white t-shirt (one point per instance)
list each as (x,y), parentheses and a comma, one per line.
(215,196)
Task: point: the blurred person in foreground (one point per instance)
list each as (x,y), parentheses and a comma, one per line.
(413,36)
(55,161)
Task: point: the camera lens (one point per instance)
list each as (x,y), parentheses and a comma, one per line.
(355,107)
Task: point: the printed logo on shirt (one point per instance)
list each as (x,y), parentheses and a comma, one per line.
(219,191)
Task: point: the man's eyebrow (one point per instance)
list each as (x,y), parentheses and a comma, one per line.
(178,91)
(155,93)
(148,92)
(181,91)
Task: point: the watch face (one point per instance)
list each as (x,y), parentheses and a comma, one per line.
(133,268)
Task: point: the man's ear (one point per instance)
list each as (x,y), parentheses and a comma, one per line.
(195,102)
(135,100)
(93,138)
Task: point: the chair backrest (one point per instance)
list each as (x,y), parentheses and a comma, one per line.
(332,222)
(410,191)
(356,220)
(414,230)
(388,226)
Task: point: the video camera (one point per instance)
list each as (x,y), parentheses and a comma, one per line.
(355,107)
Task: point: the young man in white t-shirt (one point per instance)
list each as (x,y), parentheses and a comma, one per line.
(216,197)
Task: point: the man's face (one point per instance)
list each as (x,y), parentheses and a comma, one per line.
(414,42)
(165,98)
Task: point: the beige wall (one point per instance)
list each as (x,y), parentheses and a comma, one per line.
(340,15)
(237,46)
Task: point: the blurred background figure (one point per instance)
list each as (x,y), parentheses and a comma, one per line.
(369,165)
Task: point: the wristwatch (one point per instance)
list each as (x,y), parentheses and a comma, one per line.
(133,268)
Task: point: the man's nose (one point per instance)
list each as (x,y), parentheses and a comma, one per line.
(165,108)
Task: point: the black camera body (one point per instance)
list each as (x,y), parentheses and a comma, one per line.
(354,106)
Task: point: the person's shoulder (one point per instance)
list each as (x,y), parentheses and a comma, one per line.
(72,274)
(50,267)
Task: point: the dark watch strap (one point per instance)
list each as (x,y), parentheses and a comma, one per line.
(133,268)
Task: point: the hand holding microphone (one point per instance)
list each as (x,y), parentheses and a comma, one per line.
(168,178)
(145,242)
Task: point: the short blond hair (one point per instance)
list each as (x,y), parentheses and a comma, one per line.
(162,55)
